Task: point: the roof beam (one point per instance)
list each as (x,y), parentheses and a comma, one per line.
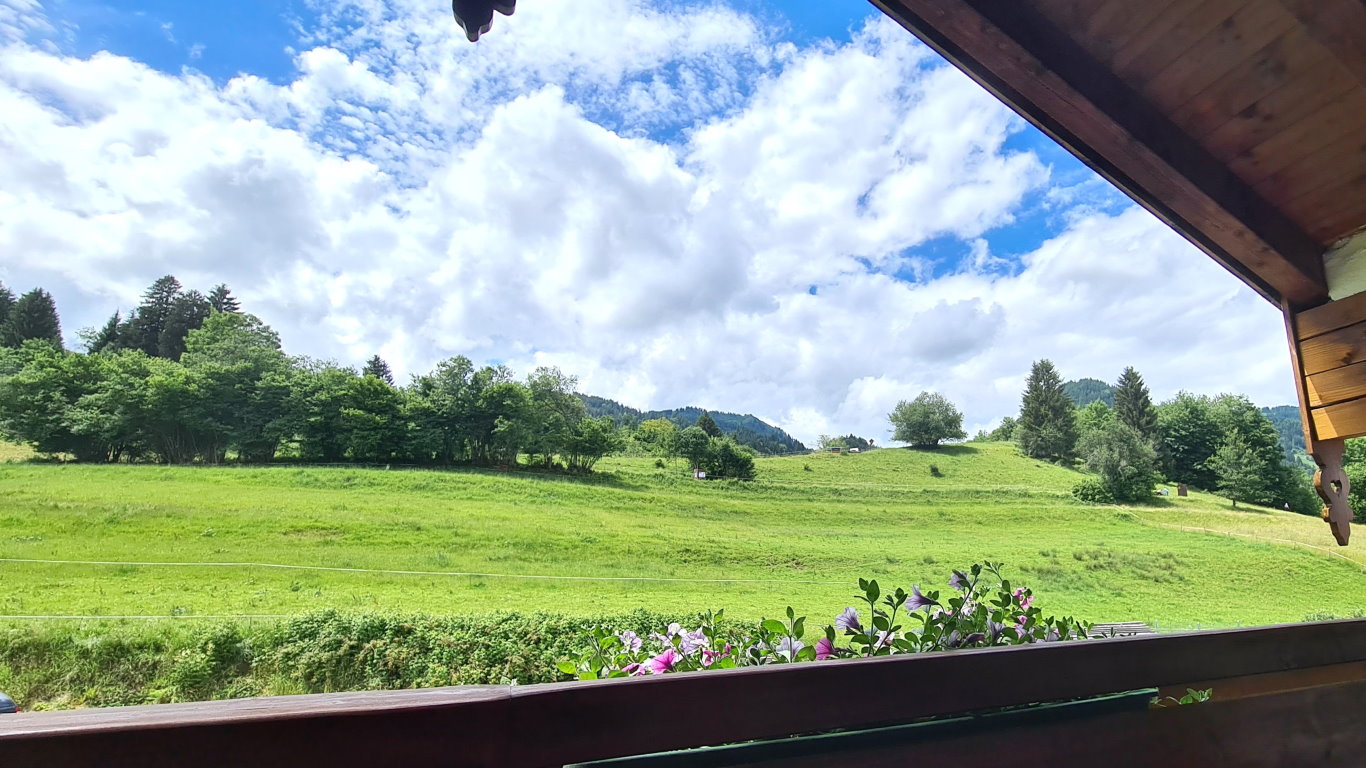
(1039,71)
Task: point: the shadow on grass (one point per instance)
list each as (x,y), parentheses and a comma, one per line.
(945,450)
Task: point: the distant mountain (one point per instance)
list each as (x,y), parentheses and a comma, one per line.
(1286,420)
(1086,391)
(745,428)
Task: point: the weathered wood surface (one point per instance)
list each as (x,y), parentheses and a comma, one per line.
(1339,421)
(1047,76)
(543,725)
(1336,385)
(1334,349)
(1330,316)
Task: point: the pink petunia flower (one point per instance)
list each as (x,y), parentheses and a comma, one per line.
(825,649)
(664,662)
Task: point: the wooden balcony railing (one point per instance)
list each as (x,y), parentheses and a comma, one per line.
(1287,695)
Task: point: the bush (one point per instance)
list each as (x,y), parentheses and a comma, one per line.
(1125,462)
(1093,491)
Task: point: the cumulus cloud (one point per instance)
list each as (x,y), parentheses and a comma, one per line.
(682,209)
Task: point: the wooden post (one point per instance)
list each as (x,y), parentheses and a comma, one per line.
(1327,346)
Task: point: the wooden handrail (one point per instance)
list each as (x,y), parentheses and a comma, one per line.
(545,725)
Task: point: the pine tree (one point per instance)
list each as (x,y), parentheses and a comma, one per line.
(150,320)
(34,316)
(376,367)
(106,339)
(6,303)
(1134,406)
(188,313)
(707,424)
(222,300)
(1047,428)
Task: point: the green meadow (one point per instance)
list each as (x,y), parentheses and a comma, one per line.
(86,540)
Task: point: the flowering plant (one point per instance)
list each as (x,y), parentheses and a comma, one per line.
(981,610)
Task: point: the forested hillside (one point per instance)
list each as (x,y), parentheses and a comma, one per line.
(746,429)
(1083,392)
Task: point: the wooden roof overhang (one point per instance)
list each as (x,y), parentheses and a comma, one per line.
(1240,123)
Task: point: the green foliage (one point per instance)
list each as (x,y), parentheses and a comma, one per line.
(106,338)
(727,459)
(1096,416)
(657,437)
(1093,490)
(6,304)
(694,445)
(1083,392)
(1354,462)
(32,317)
(1239,470)
(1134,406)
(1122,458)
(926,421)
(708,425)
(746,429)
(1047,426)
(1190,436)
(222,300)
(1005,432)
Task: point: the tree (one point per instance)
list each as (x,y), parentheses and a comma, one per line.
(1239,470)
(588,441)
(708,425)
(106,338)
(659,437)
(1095,416)
(828,443)
(926,420)
(1124,460)
(1005,432)
(376,367)
(1047,428)
(1083,392)
(6,303)
(693,445)
(33,316)
(222,300)
(148,322)
(188,313)
(1190,436)
(728,459)
(1134,406)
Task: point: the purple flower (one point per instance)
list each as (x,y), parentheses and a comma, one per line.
(709,656)
(664,662)
(1051,636)
(848,621)
(952,641)
(661,639)
(825,649)
(917,601)
(692,641)
(959,581)
(994,629)
(630,641)
(974,638)
(788,647)
(675,629)
(883,638)
(634,670)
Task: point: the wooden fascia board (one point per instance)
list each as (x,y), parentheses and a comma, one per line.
(1048,79)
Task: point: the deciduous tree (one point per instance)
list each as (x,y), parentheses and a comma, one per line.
(926,420)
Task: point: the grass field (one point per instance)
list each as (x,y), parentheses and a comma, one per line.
(800,535)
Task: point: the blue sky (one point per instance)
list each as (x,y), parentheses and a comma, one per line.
(787,208)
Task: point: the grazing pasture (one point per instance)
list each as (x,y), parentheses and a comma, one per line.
(85,540)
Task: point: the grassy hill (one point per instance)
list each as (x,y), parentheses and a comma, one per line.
(288,540)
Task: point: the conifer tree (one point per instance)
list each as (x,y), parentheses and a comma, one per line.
(707,424)
(222,300)
(1134,406)
(376,367)
(1047,428)
(150,320)
(188,313)
(106,338)
(34,316)
(6,303)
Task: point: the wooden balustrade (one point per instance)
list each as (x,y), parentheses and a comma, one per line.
(1286,695)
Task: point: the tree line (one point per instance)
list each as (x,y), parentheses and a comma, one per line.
(1223,444)
(191,378)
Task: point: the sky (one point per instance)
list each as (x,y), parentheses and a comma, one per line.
(792,209)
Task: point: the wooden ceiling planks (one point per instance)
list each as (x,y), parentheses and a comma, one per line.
(1213,57)
(1169,38)
(1330,130)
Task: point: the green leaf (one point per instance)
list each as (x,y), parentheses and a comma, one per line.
(790,613)
(881,623)
(799,627)
(774,626)
(588,675)
(567,667)
(807,654)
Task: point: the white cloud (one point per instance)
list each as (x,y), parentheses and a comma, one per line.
(411,194)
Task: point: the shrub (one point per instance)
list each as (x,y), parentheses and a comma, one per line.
(1093,491)
(934,471)
(1125,462)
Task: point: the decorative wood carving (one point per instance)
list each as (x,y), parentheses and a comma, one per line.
(1332,485)
(476,16)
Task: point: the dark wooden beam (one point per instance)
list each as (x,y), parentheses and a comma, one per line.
(1045,76)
